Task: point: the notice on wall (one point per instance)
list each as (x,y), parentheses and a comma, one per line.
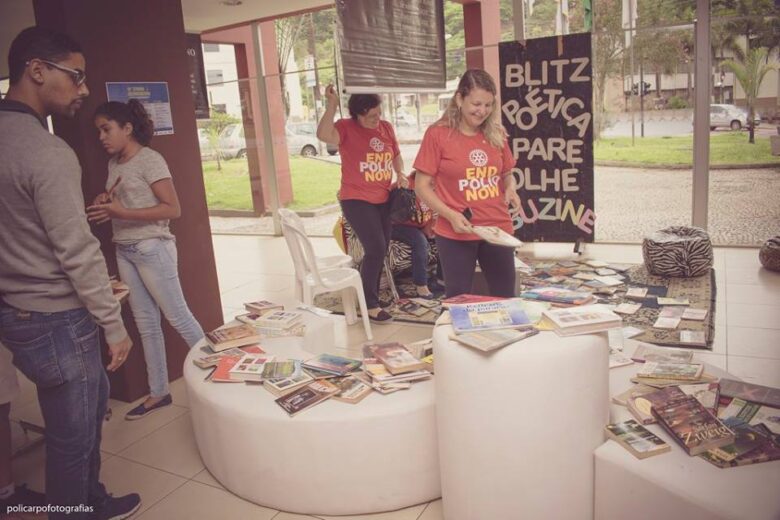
(153,96)
(547,110)
(194,53)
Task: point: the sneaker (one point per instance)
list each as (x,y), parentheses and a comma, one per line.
(23,496)
(381,318)
(117,508)
(142,411)
(424,293)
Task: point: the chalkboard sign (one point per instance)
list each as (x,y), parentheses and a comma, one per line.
(547,109)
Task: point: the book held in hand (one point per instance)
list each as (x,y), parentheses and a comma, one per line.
(231,336)
(505,314)
(637,439)
(496,236)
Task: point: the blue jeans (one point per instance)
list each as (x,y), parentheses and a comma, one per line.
(149,268)
(416,239)
(60,353)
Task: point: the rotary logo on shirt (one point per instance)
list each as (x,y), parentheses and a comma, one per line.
(481,180)
(378,164)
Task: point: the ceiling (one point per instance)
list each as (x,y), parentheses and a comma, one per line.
(199,16)
(203,15)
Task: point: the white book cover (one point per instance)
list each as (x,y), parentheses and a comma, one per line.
(279,319)
(628,308)
(250,366)
(666,323)
(636,292)
(694,314)
(497,236)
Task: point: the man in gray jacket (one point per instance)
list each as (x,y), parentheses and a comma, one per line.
(54,287)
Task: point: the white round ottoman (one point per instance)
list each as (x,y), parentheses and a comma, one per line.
(334,459)
(517,428)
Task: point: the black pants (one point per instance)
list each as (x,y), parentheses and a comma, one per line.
(371,223)
(459,258)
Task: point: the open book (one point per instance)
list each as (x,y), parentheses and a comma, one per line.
(497,236)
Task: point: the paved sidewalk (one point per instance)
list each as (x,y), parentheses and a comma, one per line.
(744,206)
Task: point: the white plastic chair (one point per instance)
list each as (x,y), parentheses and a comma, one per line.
(323,262)
(313,279)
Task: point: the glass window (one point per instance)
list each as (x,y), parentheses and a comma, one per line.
(214,77)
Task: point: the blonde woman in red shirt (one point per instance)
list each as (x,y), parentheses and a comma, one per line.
(467,154)
(369,156)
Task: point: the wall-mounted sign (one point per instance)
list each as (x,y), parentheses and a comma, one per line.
(197,75)
(154,97)
(547,109)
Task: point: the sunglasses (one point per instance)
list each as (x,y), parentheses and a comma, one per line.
(78,76)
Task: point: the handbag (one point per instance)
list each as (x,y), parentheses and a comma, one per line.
(403,204)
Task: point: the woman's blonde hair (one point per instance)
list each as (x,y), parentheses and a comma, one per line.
(491,127)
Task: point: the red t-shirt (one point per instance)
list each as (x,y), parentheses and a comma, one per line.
(366,160)
(469,173)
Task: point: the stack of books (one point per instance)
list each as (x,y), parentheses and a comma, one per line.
(502,314)
(229,336)
(389,367)
(274,323)
(727,423)
(558,295)
(582,320)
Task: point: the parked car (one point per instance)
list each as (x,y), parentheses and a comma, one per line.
(206,150)
(232,143)
(299,142)
(730,116)
(311,129)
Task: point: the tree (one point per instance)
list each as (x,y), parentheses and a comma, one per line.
(607,56)
(750,72)
(214,126)
(287,32)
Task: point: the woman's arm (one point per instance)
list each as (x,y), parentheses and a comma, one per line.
(398,166)
(168,207)
(423,187)
(510,193)
(326,130)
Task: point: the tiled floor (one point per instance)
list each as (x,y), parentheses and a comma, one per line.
(158,458)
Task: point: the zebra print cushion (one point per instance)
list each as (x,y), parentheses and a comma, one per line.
(399,254)
(678,251)
(769,254)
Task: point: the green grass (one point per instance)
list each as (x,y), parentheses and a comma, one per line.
(314,183)
(229,188)
(725,148)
